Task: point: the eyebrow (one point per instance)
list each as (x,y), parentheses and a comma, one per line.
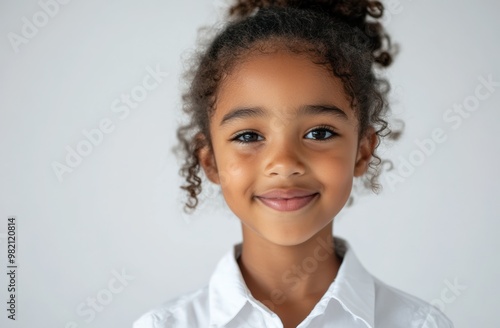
(240,113)
(247,112)
(323,109)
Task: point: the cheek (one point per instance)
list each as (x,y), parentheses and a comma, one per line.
(335,171)
(236,181)
(336,161)
(230,173)
(235,174)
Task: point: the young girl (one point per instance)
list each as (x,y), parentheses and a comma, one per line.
(285,111)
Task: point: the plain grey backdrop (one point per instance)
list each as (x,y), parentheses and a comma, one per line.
(101,237)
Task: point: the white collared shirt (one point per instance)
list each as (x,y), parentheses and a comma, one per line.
(355,299)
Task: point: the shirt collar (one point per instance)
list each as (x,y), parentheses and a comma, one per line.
(227,290)
(353,287)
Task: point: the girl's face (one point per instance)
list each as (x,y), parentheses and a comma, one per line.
(285,146)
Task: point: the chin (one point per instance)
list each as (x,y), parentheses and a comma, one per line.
(290,238)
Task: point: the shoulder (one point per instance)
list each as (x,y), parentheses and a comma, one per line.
(188,310)
(395,308)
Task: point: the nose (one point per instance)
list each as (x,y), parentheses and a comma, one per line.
(284,159)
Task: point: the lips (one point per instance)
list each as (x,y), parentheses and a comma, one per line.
(287,200)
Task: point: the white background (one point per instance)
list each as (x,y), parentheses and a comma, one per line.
(120,209)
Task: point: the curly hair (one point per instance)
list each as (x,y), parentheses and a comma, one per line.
(345,36)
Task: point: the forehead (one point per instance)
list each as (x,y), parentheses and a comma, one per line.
(280,81)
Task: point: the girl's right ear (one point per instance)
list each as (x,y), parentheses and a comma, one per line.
(207,159)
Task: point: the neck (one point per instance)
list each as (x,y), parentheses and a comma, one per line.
(277,274)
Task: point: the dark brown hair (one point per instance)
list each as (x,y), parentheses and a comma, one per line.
(345,36)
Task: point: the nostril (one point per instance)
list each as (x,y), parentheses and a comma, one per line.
(284,161)
(286,171)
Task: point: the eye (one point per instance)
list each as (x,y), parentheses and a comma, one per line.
(321,133)
(247,137)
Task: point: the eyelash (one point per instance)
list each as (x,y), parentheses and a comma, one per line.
(243,133)
(324,128)
(319,128)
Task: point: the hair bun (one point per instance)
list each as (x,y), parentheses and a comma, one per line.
(352,11)
(362,14)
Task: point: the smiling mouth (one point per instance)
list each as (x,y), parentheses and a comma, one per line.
(288,204)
